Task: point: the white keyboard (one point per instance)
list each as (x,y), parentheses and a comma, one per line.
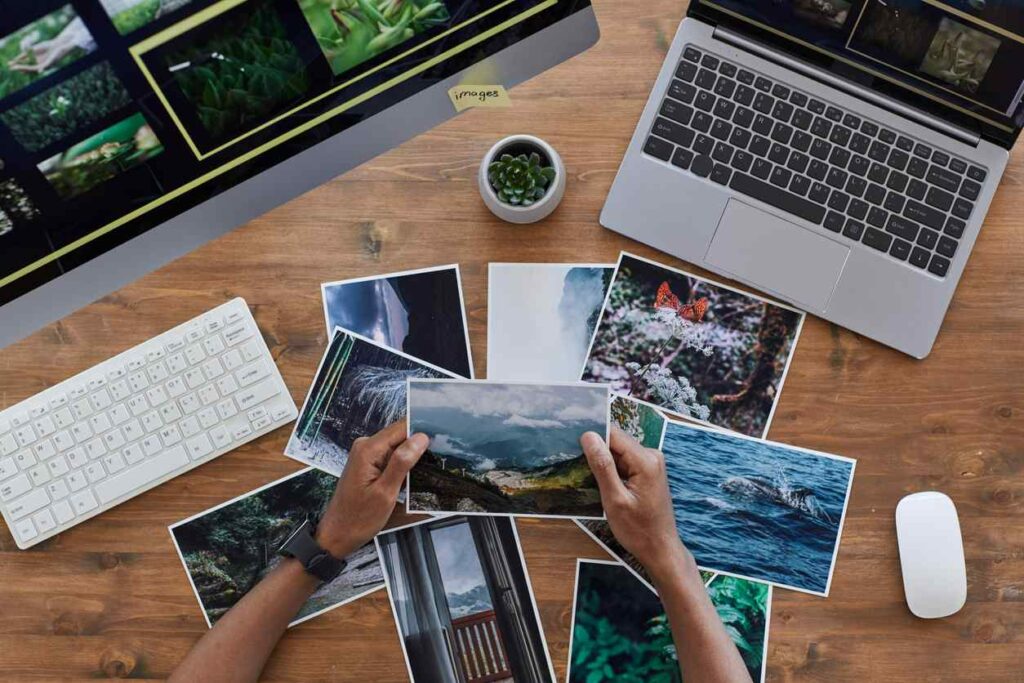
(132,422)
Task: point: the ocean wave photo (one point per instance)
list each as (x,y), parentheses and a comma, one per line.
(757,509)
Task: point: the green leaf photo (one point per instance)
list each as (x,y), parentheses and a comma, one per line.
(42,47)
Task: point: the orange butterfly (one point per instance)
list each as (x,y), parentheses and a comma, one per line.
(693,311)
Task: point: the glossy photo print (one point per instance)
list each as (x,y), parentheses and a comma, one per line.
(228,549)
(463,604)
(540,318)
(506,448)
(620,632)
(42,47)
(359,389)
(130,15)
(419,312)
(647,426)
(693,347)
(757,509)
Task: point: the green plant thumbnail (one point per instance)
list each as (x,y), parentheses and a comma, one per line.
(131,15)
(42,47)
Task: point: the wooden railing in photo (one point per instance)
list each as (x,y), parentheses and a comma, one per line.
(480,647)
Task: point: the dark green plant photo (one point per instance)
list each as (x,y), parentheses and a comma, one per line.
(242,74)
(67,107)
(621,633)
(520,180)
(352,31)
(131,15)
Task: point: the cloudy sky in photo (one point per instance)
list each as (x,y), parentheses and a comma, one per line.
(525,405)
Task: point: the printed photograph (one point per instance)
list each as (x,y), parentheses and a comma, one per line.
(239,70)
(827,13)
(101,157)
(359,389)
(506,448)
(693,347)
(960,55)
(463,603)
(420,312)
(227,550)
(540,318)
(66,108)
(131,15)
(896,34)
(757,509)
(620,631)
(351,32)
(42,47)
(646,425)
(15,202)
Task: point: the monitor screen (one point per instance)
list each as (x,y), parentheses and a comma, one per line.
(965,54)
(117,115)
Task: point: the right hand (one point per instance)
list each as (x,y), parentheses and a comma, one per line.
(636,499)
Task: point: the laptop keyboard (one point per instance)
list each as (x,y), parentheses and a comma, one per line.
(814,160)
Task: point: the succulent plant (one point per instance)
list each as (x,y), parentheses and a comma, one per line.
(520,180)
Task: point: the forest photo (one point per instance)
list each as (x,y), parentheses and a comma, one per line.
(229,549)
(620,631)
(359,389)
(692,347)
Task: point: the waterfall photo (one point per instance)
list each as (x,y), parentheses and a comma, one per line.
(540,318)
(506,448)
(359,389)
(693,347)
(757,509)
(419,312)
(463,603)
(228,549)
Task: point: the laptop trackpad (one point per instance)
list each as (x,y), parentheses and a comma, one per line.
(773,253)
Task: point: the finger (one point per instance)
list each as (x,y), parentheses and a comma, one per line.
(376,449)
(631,455)
(404,457)
(602,464)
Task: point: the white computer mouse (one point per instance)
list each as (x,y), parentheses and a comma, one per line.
(931,555)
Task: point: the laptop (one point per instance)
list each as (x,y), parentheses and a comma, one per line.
(838,154)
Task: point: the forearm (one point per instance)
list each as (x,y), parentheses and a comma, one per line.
(238,646)
(705,650)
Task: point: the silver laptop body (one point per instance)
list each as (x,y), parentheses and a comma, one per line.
(817,268)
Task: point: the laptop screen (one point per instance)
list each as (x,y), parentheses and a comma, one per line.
(118,115)
(964,54)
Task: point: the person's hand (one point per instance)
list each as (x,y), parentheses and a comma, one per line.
(369,488)
(634,492)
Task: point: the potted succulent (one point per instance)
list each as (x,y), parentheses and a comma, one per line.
(522,179)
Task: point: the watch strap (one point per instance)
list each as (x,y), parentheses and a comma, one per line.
(302,546)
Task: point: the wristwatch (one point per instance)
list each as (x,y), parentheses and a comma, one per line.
(303,547)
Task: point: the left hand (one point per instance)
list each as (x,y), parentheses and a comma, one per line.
(369,488)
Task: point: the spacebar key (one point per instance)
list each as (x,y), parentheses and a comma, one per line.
(137,477)
(780,199)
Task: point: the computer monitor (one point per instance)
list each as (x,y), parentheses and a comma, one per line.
(132,131)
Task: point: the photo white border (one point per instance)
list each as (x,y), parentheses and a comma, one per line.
(320,367)
(806,451)
(408,477)
(419,271)
(248,494)
(618,559)
(490,289)
(526,575)
(785,370)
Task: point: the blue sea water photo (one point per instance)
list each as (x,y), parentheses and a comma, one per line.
(757,509)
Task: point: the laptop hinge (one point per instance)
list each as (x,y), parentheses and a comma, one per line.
(744,43)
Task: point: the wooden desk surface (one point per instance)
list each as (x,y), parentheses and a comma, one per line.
(110,598)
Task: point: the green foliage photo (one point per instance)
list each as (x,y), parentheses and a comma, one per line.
(130,15)
(241,75)
(352,31)
(67,107)
(621,632)
(42,47)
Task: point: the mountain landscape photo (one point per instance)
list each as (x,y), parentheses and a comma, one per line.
(506,448)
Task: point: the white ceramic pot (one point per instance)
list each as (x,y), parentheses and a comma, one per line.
(538,210)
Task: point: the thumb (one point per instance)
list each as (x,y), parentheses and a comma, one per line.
(602,464)
(404,457)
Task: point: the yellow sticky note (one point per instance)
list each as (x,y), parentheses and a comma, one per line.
(469,96)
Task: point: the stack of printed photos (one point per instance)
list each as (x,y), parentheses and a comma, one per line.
(685,365)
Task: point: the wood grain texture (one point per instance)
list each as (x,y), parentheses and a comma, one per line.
(110,599)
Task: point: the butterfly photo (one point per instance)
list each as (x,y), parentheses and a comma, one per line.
(692,347)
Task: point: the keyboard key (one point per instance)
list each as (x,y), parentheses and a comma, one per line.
(859,165)
(724,108)
(681,159)
(744,95)
(709,61)
(869,129)
(878,173)
(900,250)
(778,154)
(944,178)
(763,84)
(199,447)
(686,71)
(25,530)
(922,150)
(39,475)
(725,87)
(927,238)
(917,189)
(721,130)
(743,117)
(762,124)
(780,176)
(834,221)
(977,173)
(821,127)
(801,141)
(876,239)
(63,512)
(860,143)
(946,246)
(939,199)
(760,146)
(702,166)
(773,196)
(838,201)
(955,227)
(917,168)
(924,214)
(970,189)
(898,160)
(745,76)
(15,487)
(819,193)
(701,121)
(798,98)
(834,114)
(879,151)
(939,265)
(958,166)
(817,106)
(762,169)
(854,230)
(919,257)
(782,111)
(27,504)
(877,217)
(894,202)
(858,209)
(897,181)
(95,472)
(692,54)
(798,162)
(840,135)
(887,136)
(820,149)
(704,100)
(940,158)
(856,186)
(727,69)
(740,137)
(901,227)
(962,208)
(764,103)
(83,502)
(670,131)
(741,161)
(802,119)
(782,133)
(722,153)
